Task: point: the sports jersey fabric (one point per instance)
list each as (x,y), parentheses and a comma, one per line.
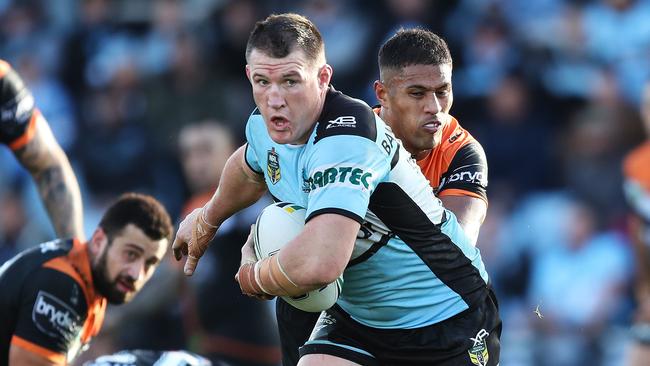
(49,305)
(18,115)
(457,166)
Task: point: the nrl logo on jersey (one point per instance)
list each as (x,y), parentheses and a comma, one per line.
(273,166)
(343,121)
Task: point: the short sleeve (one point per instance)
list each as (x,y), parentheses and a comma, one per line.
(16,107)
(51,314)
(467,173)
(343,171)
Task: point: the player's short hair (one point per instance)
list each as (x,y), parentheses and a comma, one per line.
(413,46)
(279,34)
(141,210)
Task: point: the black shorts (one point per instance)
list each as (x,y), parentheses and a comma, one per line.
(294,326)
(470,338)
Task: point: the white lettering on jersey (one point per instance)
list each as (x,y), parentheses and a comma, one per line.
(343,121)
(54,317)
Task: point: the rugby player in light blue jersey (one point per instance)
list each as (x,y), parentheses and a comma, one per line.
(416,290)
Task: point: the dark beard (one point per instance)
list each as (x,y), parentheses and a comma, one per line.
(103,285)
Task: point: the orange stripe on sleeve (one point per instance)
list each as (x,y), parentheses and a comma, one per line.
(57,358)
(29,133)
(460,192)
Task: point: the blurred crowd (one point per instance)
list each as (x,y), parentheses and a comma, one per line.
(151,96)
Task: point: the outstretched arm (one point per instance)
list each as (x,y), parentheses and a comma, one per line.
(239,188)
(47,163)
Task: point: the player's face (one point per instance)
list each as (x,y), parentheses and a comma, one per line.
(126,263)
(289,93)
(416,103)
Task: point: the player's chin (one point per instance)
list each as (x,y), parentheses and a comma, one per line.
(120,296)
(281,137)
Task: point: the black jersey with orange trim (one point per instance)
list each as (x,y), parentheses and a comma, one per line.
(48,304)
(457,166)
(17,113)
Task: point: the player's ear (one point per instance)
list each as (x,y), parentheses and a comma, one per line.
(381,92)
(98,242)
(325,75)
(248,73)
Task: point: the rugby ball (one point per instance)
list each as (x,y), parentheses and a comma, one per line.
(278,224)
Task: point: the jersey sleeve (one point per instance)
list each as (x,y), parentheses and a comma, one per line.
(17,113)
(343,171)
(467,173)
(251,135)
(51,315)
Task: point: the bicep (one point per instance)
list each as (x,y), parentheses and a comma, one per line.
(334,231)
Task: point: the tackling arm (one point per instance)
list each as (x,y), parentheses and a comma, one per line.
(47,163)
(315,258)
(470,212)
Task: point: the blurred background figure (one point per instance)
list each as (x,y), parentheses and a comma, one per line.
(223,324)
(637,191)
(551,88)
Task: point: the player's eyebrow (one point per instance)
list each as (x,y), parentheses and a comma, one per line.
(444,85)
(135,247)
(290,73)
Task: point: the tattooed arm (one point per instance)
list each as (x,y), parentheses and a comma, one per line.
(47,163)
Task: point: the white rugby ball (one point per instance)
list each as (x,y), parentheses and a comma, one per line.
(277,225)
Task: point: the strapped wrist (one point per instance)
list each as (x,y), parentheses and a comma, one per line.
(202,215)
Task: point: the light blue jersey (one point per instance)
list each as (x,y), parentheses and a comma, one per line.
(412,264)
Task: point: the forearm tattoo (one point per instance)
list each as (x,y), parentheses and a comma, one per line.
(56,183)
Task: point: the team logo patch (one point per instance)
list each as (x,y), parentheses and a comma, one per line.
(273,166)
(455,136)
(54,317)
(343,121)
(478,353)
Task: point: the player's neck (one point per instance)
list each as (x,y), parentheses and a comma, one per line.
(421,155)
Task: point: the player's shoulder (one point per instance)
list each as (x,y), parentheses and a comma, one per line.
(343,115)
(456,140)
(32,258)
(454,136)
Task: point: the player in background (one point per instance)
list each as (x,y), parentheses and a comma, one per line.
(229,327)
(55,294)
(415,93)
(28,135)
(314,146)
(636,170)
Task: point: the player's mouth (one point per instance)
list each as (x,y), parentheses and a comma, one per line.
(279,123)
(125,286)
(432,126)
